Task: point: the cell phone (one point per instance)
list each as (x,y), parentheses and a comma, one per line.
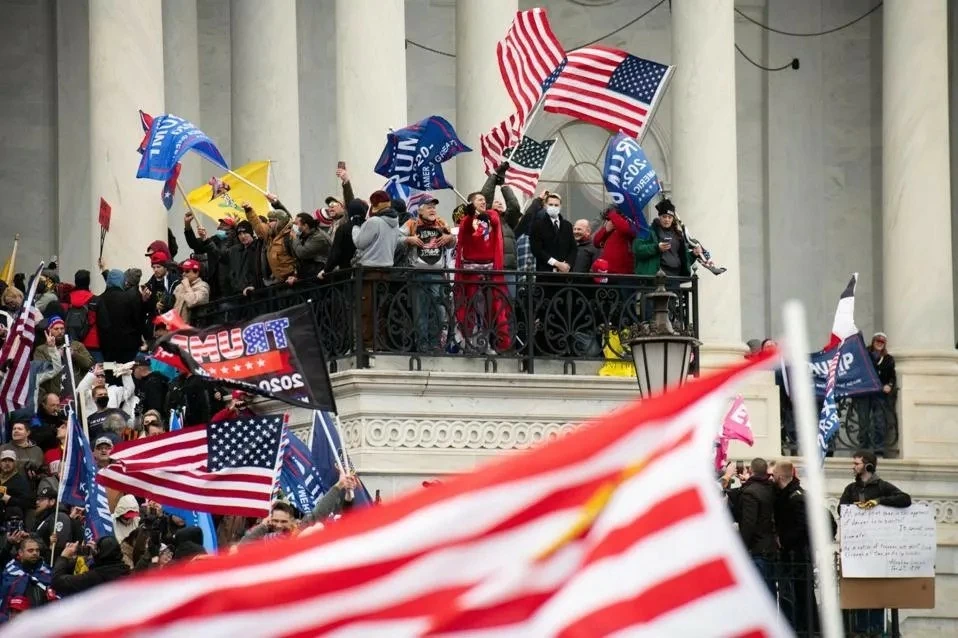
(341,164)
(109,366)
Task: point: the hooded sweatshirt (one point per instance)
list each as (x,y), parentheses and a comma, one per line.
(377,239)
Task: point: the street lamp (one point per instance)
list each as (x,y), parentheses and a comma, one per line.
(661,353)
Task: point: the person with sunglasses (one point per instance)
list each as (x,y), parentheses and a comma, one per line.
(191,291)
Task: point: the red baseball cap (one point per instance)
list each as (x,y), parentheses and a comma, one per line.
(229,222)
(190,264)
(160,258)
(19,603)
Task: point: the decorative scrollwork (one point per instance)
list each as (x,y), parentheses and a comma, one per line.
(454,434)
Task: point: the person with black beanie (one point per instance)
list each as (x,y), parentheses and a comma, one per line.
(343,249)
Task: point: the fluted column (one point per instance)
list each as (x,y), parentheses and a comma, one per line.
(371,78)
(916,178)
(265,91)
(126,74)
(705,173)
(481,97)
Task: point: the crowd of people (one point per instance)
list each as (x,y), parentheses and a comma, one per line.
(767,502)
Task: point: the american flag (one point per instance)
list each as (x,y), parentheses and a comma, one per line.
(493,144)
(528,58)
(609,88)
(526,162)
(17,350)
(227,467)
(617,528)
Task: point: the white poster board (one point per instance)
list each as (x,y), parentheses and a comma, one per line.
(887,542)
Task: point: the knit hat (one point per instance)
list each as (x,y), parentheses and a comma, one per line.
(379,197)
(244,227)
(322,216)
(665,207)
(281,217)
(159,258)
(55,321)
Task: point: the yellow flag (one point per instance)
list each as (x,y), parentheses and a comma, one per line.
(616,365)
(9,268)
(228,204)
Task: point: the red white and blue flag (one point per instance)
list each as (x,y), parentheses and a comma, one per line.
(844,326)
(609,88)
(615,529)
(78,484)
(17,351)
(169,186)
(529,58)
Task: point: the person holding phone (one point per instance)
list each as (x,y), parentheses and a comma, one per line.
(663,246)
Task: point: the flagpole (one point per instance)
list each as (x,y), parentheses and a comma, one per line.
(239,177)
(458,194)
(186,201)
(67,451)
(329,439)
(796,341)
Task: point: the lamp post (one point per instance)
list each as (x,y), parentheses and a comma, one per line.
(661,353)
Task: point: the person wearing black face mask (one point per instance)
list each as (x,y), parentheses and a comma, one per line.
(100,400)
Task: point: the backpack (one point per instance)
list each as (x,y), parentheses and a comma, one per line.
(77,320)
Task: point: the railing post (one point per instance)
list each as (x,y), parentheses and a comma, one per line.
(530,323)
(361,361)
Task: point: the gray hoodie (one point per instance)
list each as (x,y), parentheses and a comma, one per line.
(376,239)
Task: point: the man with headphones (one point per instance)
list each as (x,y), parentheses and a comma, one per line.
(868,490)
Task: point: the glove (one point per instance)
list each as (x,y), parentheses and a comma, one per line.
(501,173)
(867,505)
(356,220)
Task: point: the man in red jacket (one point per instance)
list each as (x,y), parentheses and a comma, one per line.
(614,238)
(81,298)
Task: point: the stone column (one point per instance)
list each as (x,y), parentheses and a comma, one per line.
(126,74)
(371,78)
(181,68)
(265,91)
(481,97)
(705,174)
(916,179)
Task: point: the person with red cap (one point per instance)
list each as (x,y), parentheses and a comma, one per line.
(614,238)
(26,579)
(212,249)
(191,291)
(158,291)
(238,407)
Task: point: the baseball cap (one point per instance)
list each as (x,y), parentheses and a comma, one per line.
(332,200)
(239,395)
(159,258)
(8,454)
(190,264)
(227,222)
(47,492)
(18,603)
(428,198)
(103,440)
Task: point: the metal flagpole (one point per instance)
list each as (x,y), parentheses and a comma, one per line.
(796,341)
(68,353)
(329,439)
(240,177)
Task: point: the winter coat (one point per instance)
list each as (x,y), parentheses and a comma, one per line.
(425,258)
(18,489)
(245,266)
(547,242)
(648,256)
(18,582)
(510,216)
(885,367)
(214,249)
(119,320)
(190,394)
(189,295)
(279,254)
(78,299)
(377,239)
(616,245)
(312,253)
(756,510)
(30,453)
(82,362)
(54,520)
(107,566)
(875,489)
(790,521)
(584,256)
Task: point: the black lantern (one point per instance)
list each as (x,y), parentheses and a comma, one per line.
(661,354)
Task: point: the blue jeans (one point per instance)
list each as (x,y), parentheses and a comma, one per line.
(430,311)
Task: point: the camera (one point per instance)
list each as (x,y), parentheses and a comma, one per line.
(84,550)
(14,525)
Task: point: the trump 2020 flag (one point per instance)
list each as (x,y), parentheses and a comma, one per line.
(326,457)
(168,140)
(192,518)
(78,485)
(828,423)
(630,179)
(298,478)
(414,155)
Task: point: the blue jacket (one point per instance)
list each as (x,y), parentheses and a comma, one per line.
(15,582)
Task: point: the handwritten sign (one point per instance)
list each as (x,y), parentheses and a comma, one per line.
(888,542)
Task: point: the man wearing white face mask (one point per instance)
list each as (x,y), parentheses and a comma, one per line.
(552,240)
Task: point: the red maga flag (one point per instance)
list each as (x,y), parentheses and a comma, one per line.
(617,527)
(105,212)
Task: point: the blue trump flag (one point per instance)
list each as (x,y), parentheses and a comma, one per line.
(168,140)
(856,374)
(78,485)
(828,423)
(326,458)
(630,180)
(203,520)
(298,478)
(414,155)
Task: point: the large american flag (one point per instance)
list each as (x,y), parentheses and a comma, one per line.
(526,162)
(609,88)
(17,350)
(227,467)
(617,528)
(528,56)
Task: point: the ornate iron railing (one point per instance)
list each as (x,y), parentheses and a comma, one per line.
(868,422)
(485,314)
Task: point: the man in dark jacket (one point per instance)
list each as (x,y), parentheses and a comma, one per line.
(244,261)
(51,520)
(791,524)
(867,490)
(310,246)
(119,319)
(151,387)
(191,394)
(107,566)
(586,253)
(212,249)
(15,491)
(756,524)
(27,576)
(343,250)
(553,243)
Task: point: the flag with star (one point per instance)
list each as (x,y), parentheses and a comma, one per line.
(630,179)
(227,467)
(526,162)
(169,186)
(610,88)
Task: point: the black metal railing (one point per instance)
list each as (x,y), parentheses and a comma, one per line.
(484,314)
(867,422)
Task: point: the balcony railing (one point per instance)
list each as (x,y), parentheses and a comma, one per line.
(491,315)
